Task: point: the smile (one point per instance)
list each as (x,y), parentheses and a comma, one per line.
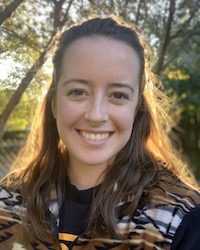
(94,137)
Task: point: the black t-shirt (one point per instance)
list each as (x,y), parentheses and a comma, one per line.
(74,213)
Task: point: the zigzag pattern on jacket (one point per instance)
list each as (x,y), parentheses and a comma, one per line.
(148,228)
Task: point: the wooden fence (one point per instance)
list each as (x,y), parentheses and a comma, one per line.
(8,151)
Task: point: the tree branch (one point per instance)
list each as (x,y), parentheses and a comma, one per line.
(165,40)
(4,15)
(24,40)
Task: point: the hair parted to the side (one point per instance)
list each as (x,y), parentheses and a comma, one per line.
(136,169)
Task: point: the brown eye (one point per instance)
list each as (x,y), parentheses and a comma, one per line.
(77,92)
(119,95)
(119,98)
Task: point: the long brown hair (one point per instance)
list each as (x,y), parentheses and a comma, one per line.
(137,168)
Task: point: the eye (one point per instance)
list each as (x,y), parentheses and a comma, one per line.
(119,95)
(119,98)
(77,92)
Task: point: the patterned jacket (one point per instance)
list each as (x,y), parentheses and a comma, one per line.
(163,226)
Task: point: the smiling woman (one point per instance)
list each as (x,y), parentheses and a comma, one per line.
(98,170)
(103,105)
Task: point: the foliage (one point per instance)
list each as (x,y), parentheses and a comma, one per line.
(23,113)
(59,19)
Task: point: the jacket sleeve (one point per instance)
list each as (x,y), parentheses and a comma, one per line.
(13,237)
(187,236)
(11,230)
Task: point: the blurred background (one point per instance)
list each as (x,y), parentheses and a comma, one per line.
(29,30)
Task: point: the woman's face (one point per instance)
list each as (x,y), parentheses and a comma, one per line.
(96,99)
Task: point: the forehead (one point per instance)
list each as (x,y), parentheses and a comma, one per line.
(101,49)
(100,58)
(100,44)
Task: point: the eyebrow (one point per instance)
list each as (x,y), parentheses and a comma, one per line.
(83,81)
(115,84)
(122,85)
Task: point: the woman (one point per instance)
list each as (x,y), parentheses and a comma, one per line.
(99,171)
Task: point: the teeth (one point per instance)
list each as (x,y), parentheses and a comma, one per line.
(94,137)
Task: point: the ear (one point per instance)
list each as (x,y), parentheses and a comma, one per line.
(53,107)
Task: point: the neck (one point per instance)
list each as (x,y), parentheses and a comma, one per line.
(85,176)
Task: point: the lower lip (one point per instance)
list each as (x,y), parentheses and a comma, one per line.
(93,142)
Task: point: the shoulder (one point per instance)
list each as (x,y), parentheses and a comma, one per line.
(160,221)
(181,199)
(177,201)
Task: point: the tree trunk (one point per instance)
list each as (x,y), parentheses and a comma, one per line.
(138,12)
(4,15)
(23,85)
(165,40)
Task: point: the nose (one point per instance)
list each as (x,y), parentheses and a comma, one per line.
(97,111)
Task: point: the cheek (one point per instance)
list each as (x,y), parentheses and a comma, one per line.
(68,113)
(124,120)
